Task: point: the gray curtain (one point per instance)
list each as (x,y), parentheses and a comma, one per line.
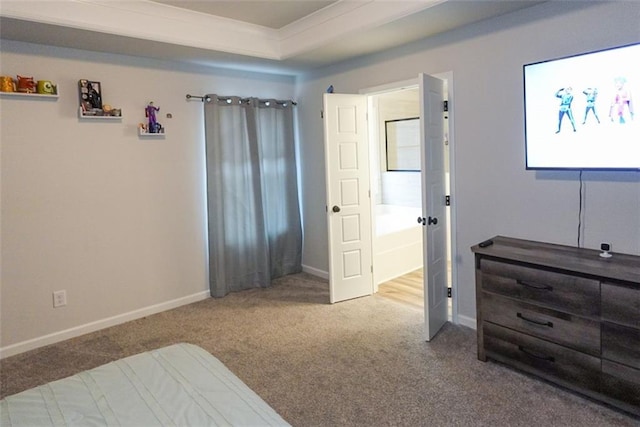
(255,233)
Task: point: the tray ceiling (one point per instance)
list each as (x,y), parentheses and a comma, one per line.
(280,36)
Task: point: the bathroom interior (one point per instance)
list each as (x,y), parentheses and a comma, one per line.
(396,184)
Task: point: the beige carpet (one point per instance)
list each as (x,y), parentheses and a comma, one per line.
(357,363)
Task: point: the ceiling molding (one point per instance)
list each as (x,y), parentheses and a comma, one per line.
(341,19)
(150,20)
(340,31)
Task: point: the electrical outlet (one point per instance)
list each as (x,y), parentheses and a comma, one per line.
(59,298)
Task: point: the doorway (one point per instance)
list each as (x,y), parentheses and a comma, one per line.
(349,199)
(396,195)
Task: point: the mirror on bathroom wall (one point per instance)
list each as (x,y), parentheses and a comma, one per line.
(403,144)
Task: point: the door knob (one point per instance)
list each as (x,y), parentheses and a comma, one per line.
(336,208)
(427,221)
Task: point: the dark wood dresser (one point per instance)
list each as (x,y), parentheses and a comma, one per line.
(564,314)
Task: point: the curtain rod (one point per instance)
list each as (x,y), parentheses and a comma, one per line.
(207,98)
(201,98)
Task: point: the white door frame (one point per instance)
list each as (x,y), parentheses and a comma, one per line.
(399,85)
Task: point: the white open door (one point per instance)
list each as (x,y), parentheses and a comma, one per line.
(348,200)
(433,203)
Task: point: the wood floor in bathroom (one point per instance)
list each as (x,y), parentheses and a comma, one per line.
(407,289)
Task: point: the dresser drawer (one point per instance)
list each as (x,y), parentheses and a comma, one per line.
(541,357)
(622,383)
(569,293)
(621,344)
(621,305)
(565,329)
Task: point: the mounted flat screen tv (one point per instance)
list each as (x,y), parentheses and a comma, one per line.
(579,111)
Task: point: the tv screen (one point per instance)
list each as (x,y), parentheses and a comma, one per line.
(579,111)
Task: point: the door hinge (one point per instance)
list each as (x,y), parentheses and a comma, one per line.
(372,269)
(446,106)
(448,292)
(447,200)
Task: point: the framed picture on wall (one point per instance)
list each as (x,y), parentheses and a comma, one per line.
(90,93)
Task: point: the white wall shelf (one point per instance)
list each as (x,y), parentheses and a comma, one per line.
(144,134)
(92,117)
(28,95)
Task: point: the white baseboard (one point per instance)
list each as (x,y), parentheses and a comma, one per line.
(469,322)
(76,331)
(316,272)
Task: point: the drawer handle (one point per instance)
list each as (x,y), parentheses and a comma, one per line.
(537,356)
(538,287)
(536,322)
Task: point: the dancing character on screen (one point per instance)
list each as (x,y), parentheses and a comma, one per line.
(592,94)
(566,98)
(621,105)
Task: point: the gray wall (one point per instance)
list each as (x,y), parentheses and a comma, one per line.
(493,194)
(89,207)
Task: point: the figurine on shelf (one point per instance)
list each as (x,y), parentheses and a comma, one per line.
(7,84)
(110,111)
(26,84)
(150,113)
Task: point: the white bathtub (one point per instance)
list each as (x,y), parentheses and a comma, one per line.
(397,242)
(391,219)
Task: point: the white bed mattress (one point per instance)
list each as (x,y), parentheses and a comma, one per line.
(179,385)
